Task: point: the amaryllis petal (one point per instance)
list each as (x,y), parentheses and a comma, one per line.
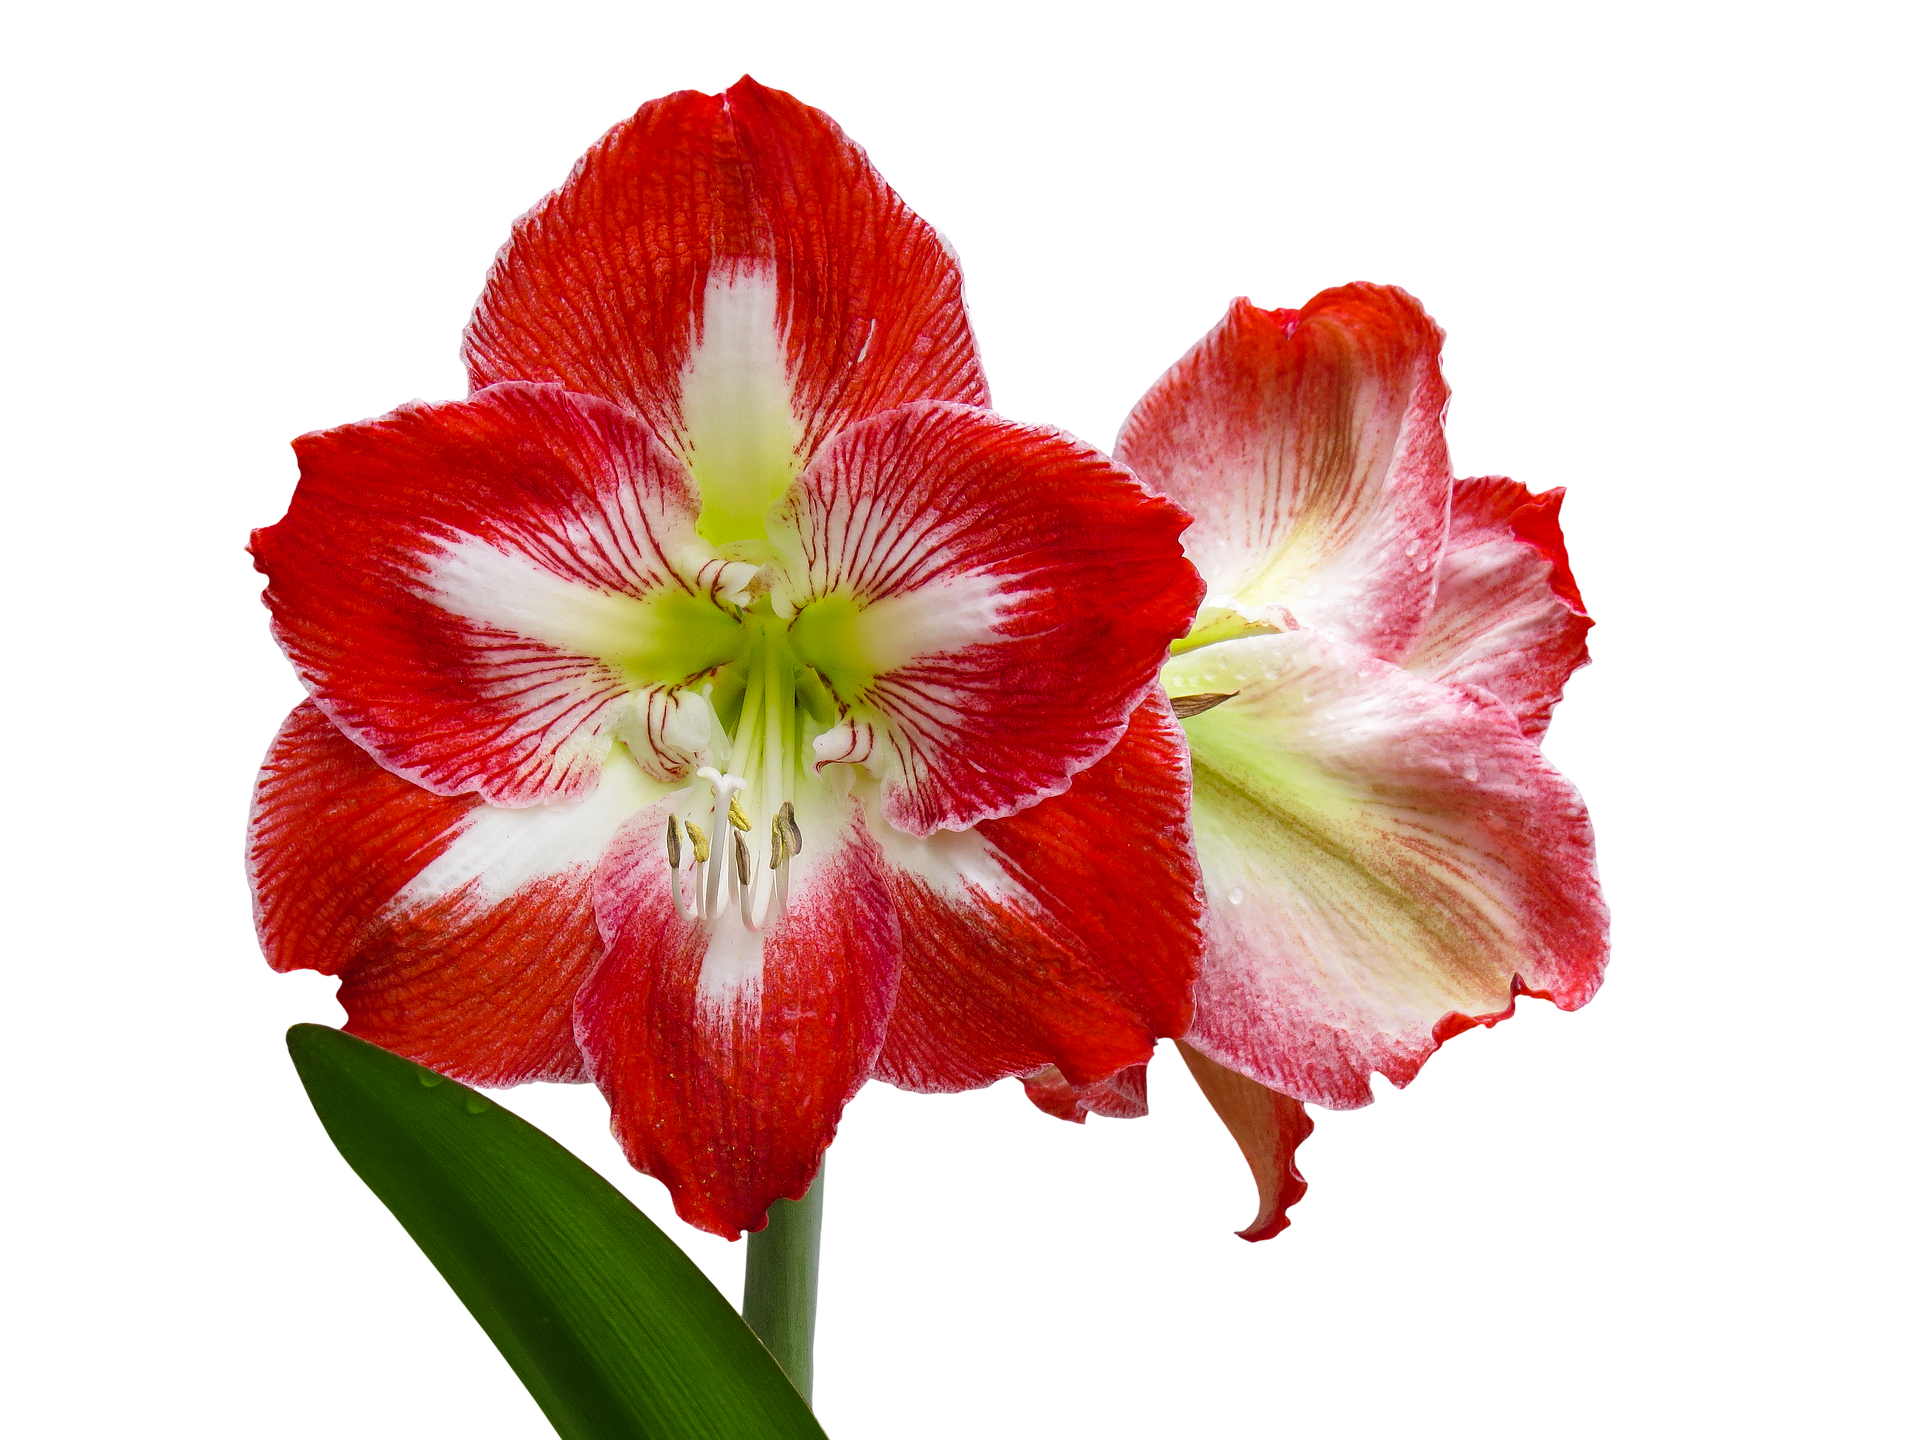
(1065,935)
(476,591)
(727,1055)
(1506,613)
(1387,861)
(460,931)
(1269,1128)
(745,232)
(989,601)
(1307,445)
(1122,1096)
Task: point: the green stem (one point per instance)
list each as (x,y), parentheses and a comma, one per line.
(783,1283)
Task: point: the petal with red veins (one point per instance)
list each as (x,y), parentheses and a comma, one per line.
(1307,444)
(1269,1128)
(1123,1096)
(990,600)
(720,223)
(1387,862)
(727,1056)
(1066,935)
(1506,613)
(478,592)
(460,932)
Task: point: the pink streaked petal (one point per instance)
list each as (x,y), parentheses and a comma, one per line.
(1016,591)
(460,932)
(1387,861)
(603,285)
(469,590)
(1122,1096)
(727,1057)
(1506,615)
(1307,444)
(1269,1128)
(1066,935)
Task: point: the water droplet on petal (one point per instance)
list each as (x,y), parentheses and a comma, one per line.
(429,1079)
(478,1104)
(1470,772)
(1413,549)
(1313,589)
(1236,895)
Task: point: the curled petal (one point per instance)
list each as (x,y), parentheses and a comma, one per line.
(1387,862)
(747,203)
(726,1055)
(1307,444)
(1066,935)
(1122,1096)
(1506,614)
(477,591)
(1269,1128)
(460,932)
(992,599)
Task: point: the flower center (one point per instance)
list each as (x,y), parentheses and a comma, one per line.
(732,843)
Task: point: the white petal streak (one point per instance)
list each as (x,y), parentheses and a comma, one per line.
(499,852)
(740,437)
(1380,853)
(500,590)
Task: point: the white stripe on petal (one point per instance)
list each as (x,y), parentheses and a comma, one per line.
(501,852)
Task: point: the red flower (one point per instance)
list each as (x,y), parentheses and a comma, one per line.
(1388,858)
(720,703)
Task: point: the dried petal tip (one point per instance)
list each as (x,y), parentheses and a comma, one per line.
(1185,707)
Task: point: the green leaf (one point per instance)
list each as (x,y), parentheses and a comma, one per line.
(615,1332)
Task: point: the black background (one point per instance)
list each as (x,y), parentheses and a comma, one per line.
(1508,1220)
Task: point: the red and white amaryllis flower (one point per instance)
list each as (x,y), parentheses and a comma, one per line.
(720,703)
(1388,858)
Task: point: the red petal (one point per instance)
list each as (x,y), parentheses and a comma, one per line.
(731,1096)
(602,285)
(445,574)
(1268,1126)
(1506,615)
(1065,935)
(1307,444)
(1122,1096)
(452,973)
(1030,588)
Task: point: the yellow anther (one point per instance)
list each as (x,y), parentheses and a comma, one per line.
(777,847)
(699,840)
(737,817)
(787,828)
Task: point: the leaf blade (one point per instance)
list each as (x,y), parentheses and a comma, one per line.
(612,1329)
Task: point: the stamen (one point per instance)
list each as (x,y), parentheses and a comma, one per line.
(735,815)
(673,842)
(699,839)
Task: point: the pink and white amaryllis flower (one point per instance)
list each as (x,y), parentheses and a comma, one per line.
(720,703)
(1388,858)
